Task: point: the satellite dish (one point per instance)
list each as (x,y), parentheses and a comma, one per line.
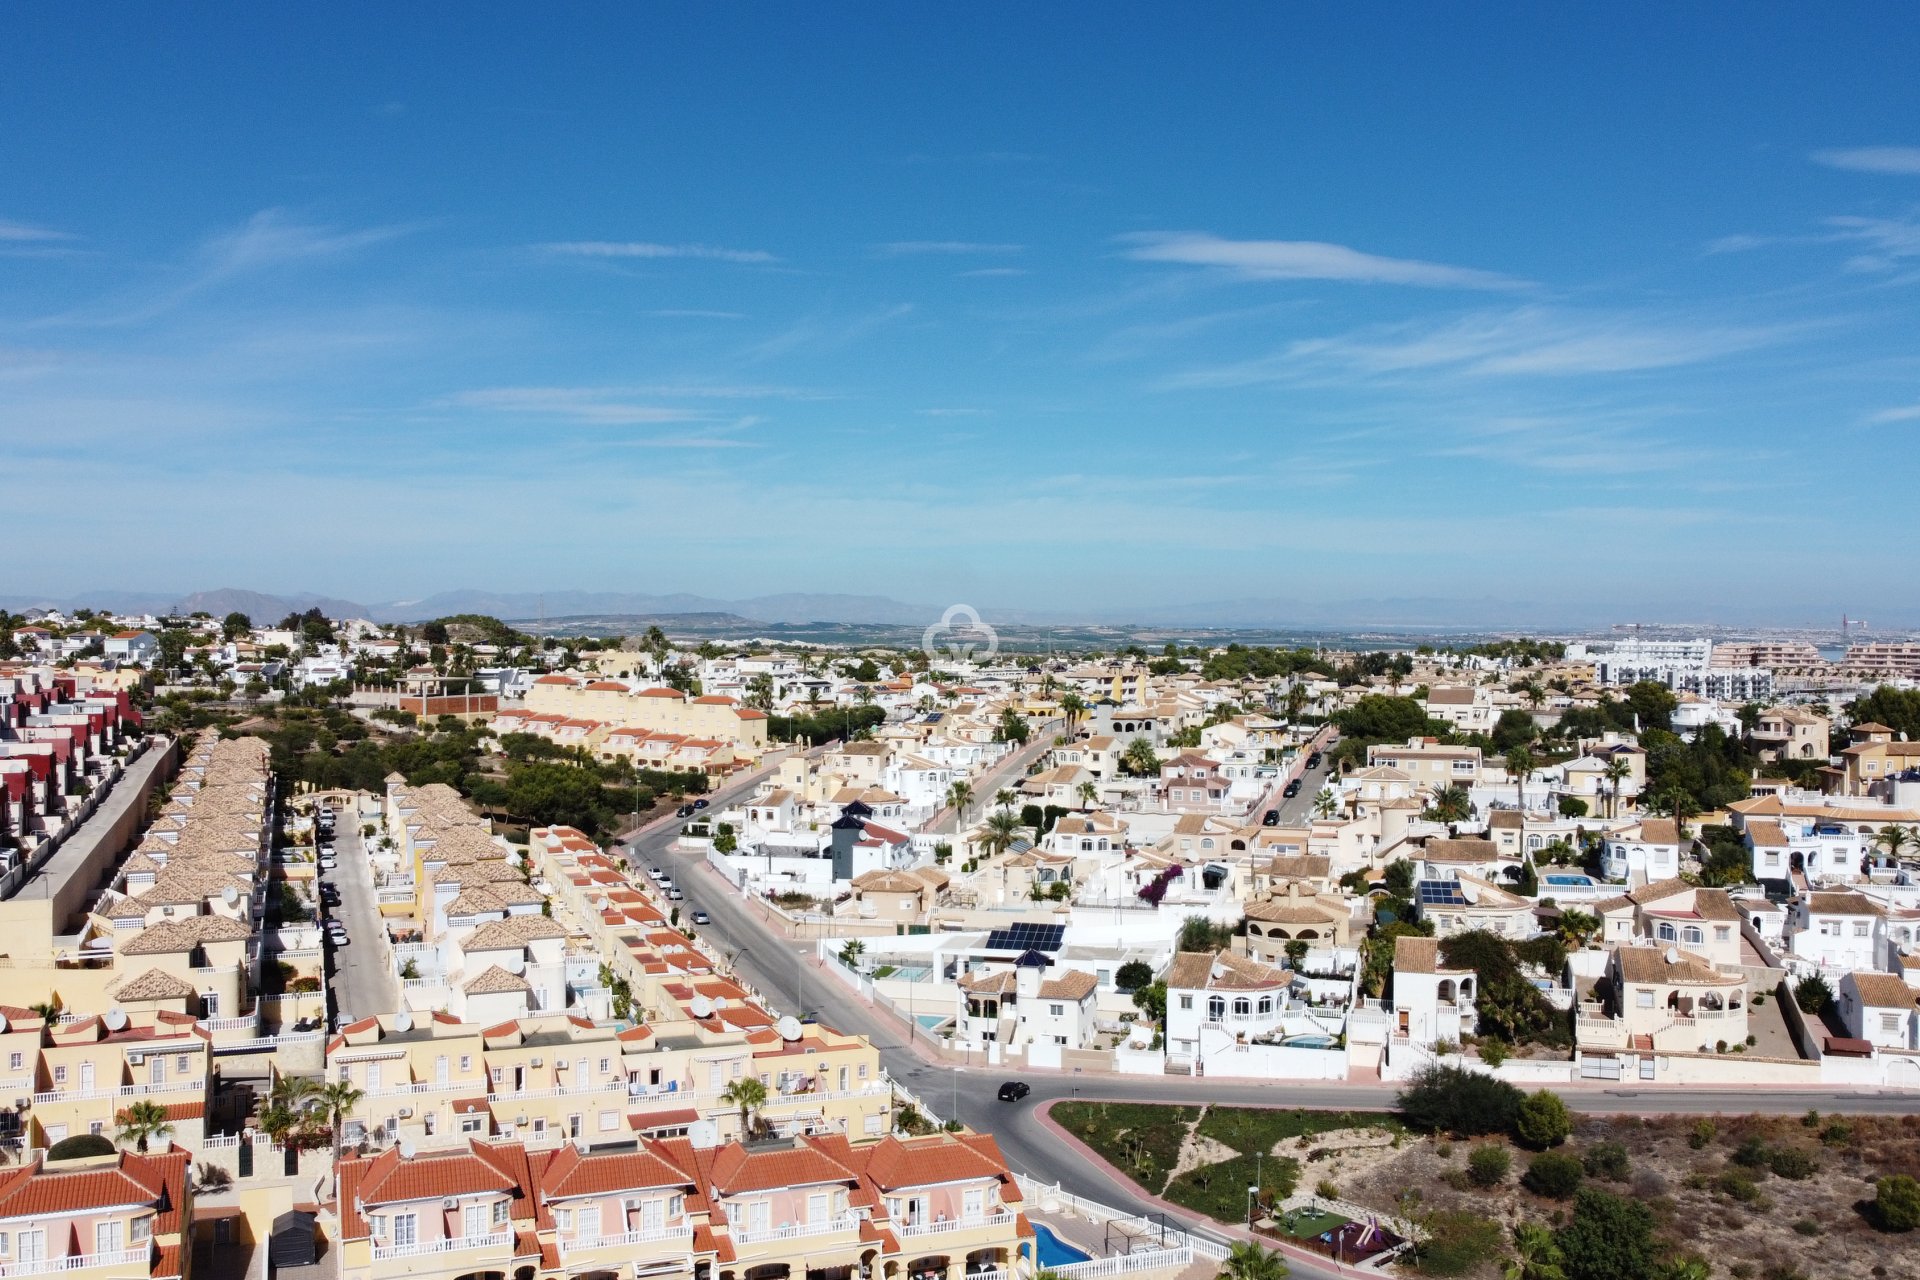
(3,1024)
(116,1019)
(702,1007)
(406,1148)
(230,895)
(789,1028)
(403,1021)
(703,1134)
(1673,955)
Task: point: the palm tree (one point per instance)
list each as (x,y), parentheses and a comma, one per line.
(851,952)
(1451,804)
(1326,804)
(748,1094)
(1089,794)
(1615,771)
(1535,694)
(1520,763)
(336,1101)
(1893,838)
(1536,1256)
(959,796)
(49,1010)
(1072,706)
(142,1122)
(1296,700)
(1004,798)
(1249,1260)
(1003,829)
(1577,926)
(278,1121)
(296,1093)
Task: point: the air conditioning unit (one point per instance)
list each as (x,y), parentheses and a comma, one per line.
(450,1202)
(539,1062)
(406,1113)
(136,1059)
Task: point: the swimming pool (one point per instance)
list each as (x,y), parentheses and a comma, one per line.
(1052,1250)
(1562,878)
(931,1021)
(1308,1042)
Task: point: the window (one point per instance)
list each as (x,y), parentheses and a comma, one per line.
(466,1064)
(606,1065)
(1862,930)
(472,1124)
(1889,1022)
(1694,935)
(873,1124)
(1057,1010)
(1722,933)
(30,1246)
(609,1121)
(140,1230)
(1186,1002)
(1643,999)
(563,1219)
(500,1211)
(182,1063)
(16,1061)
(1666,933)
(589,1222)
(406,1228)
(473,1221)
(108,1237)
(60,1074)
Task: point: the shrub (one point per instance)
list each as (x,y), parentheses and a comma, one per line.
(1812,994)
(1753,1153)
(1542,1120)
(79,1146)
(1606,1160)
(1896,1203)
(1807,1227)
(1789,1162)
(1837,1134)
(1326,1190)
(1455,1100)
(1610,1238)
(1704,1131)
(1493,1052)
(1487,1166)
(1811,1120)
(1737,1185)
(1552,1174)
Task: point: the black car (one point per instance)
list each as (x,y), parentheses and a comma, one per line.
(699,804)
(1014,1090)
(684,811)
(1271,818)
(1293,789)
(1313,761)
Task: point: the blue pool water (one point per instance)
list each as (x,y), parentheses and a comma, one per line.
(1563,878)
(1309,1042)
(932,1020)
(1053,1251)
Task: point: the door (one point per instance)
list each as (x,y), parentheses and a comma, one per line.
(974,1207)
(29,1246)
(440,1071)
(86,1077)
(653,1215)
(817,1208)
(474,1221)
(107,1237)
(157,1069)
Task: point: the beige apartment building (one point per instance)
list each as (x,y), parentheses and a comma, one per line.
(657,710)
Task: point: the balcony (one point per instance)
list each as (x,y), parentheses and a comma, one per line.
(676,1238)
(999,1218)
(798,1230)
(453,1244)
(140,1257)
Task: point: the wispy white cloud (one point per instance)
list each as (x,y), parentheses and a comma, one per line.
(692,313)
(1305,260)
(1901,160)
(596,406)
(827,332)
(1740,243)
(650,249)
(26,233)
(984,272)
(1900,413)
(1887,241)
(1524,342)
(910,248)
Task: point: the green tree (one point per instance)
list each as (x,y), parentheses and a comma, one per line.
(1812,994)
(1610,1238)
(1072,706)
(1011,728)
(1653,703)
(1536,1255)
(959,796)
(1615,771)
(141,1122)
(336,1100)
(1520,764)
(749,1095)
(1451,804)
(1133,975)
(1543,1120)
(1444,1099)
(1249,1260)
(1487,1165)
(851,951)
(235,625)
(1140,760)
(1002,829)
(1553,1174)
(1152,1001)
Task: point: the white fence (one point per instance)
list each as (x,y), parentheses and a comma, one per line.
(1123,1264)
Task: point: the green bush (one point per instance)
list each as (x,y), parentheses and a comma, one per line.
(1542,1121)
(79,1146)
(1812,994)
(1752,1153)
(1736,1184)
(1607,1160)
(1454,1100)
(1704,1131)
(1788,1162)
(1488,1166)
(1553,1174)
(1896,1203)
(1493,1052)
(1610,1238)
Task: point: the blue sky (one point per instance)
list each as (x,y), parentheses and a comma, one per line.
(1594,312)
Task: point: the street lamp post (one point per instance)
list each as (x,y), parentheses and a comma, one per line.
(1251,1193)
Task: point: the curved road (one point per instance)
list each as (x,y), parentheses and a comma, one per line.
(777,966)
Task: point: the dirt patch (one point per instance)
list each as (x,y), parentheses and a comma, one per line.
(1339,1156)
(1199,1150)
(1711,1198)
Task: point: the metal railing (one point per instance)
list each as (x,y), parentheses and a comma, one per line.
(998,1218)
(795,1230)
(654,1235)
(79,1262)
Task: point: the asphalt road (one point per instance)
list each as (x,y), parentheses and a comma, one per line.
(362,972)
(1007,774)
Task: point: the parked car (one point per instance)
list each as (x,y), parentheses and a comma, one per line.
(701,917)
(1014,1090)
(1271,818)
(684,811)
(674,894)
(656,873)
(1293,789)
(1313,761)
(699,804)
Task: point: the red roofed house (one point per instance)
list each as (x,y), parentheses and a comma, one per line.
(117,1217)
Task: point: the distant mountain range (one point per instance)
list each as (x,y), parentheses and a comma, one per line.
(1403,614)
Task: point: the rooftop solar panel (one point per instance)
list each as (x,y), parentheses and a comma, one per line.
(1441,893)
(1027,937)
